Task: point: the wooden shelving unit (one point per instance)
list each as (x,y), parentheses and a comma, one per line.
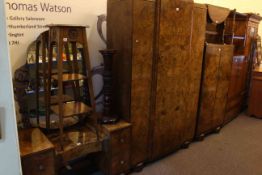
(73,97)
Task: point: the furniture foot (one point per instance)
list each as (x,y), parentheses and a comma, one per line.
(139,167)
(185,145)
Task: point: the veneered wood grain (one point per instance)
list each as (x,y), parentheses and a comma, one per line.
(241,69)
(130,31)
(178,76)
(33,141)
(216,78)
(143,28)
(119,37)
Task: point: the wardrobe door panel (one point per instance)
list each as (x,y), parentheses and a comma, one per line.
(206,120)
(143,28)
(224,74)
(172,119)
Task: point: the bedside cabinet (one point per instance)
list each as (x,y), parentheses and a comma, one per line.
(37,153)
(116,160)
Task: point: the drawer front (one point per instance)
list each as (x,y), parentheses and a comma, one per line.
(120,164)
(120,142)
(39,164)
(120,152)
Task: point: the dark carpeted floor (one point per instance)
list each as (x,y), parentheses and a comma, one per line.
(236,150)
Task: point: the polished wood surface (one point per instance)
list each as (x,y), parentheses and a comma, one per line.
(76,143)
(216,78)
(110,128)
(132,67)
(119,38)
(217,14)
(37,152)
(32,141)
(255,100)
(242,33)
(116,158)
(40,164)
(143,28)
(72,109)
(179,68)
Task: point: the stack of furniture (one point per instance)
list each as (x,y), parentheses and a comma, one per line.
(241,30)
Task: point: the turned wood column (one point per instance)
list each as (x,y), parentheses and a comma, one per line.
(108,116)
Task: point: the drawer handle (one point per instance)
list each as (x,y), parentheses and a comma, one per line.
(122,140)
(122,162)
(41,167)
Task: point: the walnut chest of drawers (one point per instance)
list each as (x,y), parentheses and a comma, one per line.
(117,149)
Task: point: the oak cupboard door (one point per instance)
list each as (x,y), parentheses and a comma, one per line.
(215,85)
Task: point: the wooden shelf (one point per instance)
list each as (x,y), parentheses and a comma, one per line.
(212,32)
(54,72)
(70,77)
(54,99)
(72,109)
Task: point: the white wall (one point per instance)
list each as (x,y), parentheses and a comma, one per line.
(9,154)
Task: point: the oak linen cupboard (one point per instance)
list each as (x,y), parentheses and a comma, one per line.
(156,78)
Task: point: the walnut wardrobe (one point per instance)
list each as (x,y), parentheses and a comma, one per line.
(157,71)
(216,73)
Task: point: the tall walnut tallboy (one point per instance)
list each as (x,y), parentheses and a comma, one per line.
(157,71)
(130,30)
